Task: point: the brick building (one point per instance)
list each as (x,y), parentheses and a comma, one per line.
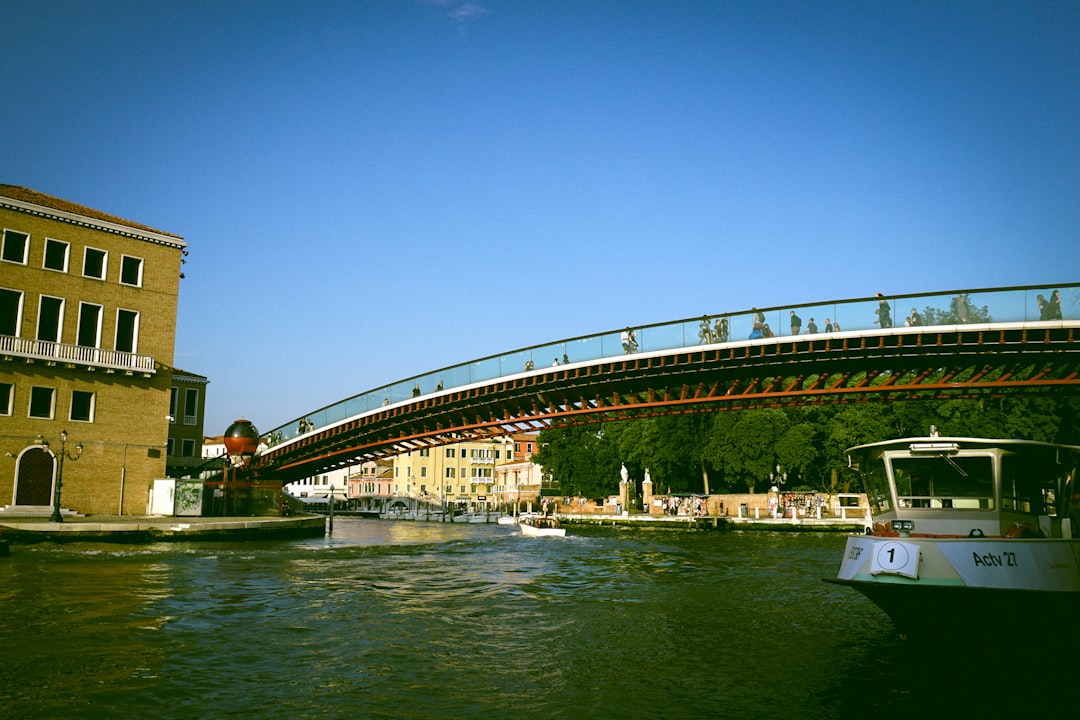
(87,329)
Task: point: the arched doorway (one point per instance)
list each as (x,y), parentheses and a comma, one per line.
(34,476)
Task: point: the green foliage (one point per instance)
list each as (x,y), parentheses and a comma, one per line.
(583,460)
(738,450)
(956,313)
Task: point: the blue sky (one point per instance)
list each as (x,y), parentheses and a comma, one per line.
(386,187)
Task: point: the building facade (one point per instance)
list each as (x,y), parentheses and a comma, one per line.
(87,331)
(518,480)
(187,410)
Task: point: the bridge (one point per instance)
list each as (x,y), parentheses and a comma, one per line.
(955,344)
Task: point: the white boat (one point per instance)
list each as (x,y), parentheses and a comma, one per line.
(971,537)
(541,526)
(507,520)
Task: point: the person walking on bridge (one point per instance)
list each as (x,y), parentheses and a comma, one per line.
(884,312)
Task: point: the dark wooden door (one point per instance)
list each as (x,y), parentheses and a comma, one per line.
(34,483)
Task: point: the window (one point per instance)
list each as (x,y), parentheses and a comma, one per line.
(56,255)
(187,447)
(131,270)
(944,481)
(42,402)
(191,406)
(7,394)
(423,471)
(10,312)
(174,395)
(89,325)
(425,452)
(170,446)
(82,406)
(127,331)
(16,245)
(450,452)
(94,263)
(449,473)
(50,319)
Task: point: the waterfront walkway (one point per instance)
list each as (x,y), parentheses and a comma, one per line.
(156,528)
(718,522)
(151,528)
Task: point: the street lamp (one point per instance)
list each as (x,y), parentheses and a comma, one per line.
(56,517)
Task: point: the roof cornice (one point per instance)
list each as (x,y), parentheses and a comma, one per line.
(30,208)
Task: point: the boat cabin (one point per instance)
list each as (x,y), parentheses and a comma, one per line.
(968,487)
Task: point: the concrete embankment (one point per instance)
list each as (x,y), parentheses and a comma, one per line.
(142,529)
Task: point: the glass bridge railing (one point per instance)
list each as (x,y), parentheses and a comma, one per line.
(957,307)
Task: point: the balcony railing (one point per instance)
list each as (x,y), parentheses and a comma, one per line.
(54,352)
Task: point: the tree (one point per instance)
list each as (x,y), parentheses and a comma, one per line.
(581,459)
(745,449)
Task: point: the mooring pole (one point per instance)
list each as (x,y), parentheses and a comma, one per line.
(331,529)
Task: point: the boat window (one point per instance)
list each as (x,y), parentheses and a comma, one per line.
(945,481)
(1031,484)
(877,487)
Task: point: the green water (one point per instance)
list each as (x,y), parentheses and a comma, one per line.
(423,620)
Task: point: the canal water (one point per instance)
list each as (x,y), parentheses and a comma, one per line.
(423,620)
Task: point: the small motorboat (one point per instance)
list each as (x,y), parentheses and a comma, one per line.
(970,536)
(541,526)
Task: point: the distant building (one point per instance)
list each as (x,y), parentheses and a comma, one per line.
(87,330)
(374,482)
(519,480)
(187,410)
(321,486)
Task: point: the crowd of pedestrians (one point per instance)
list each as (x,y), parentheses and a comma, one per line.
(691,506)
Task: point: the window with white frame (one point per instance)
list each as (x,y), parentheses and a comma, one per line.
(89,325)
(131,270)
(127,331)
(42,402)
(16,247)
(50,319)
(187,447)
(7,397)
(10,312)
(95,263)
(82,406)
(57,253)
(174,398)
(191,406)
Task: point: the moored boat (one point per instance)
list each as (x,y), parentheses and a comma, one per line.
(971,537)
(541,526)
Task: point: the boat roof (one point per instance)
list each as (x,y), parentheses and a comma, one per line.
(939,442)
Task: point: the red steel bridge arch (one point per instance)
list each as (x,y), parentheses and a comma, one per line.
(992,359)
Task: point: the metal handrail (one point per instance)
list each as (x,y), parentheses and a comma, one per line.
(1009,304)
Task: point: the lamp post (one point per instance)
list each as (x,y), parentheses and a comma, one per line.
(56,517)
